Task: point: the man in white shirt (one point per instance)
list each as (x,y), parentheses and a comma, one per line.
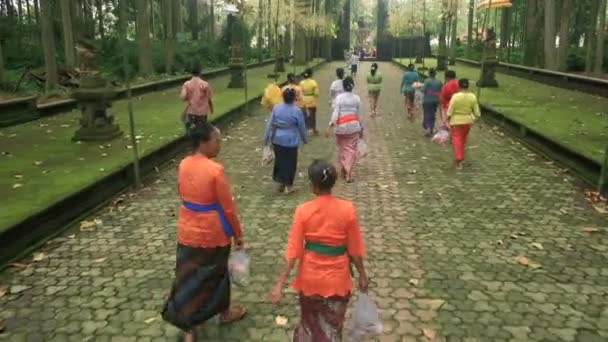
(354,63)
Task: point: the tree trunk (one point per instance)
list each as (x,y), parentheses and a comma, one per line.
(178,26)
(505,27)
(194,28)
(564,35)
(442,52)
(549,35)
(454,34)
(169,36)
(1,67)
(260,28)
(531,34)
(100,27)
(601,33)
(48,45)
(37,11)
(68,34)
(143,37)
(28,12)
(470,27)
(327,40)
(269,24)
(19,12)
(590,35)
(212,21)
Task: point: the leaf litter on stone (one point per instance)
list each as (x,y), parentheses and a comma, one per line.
(39,257)
(590,230)
(17,185)
(429,334)
(281,320)
(537,245)
(3,291)
(150,320)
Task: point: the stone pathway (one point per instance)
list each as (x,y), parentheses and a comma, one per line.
(442,245)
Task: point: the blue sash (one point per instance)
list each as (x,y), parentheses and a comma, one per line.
(205,208)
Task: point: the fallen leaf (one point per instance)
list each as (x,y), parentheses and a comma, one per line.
(49,131)
(436,304)
(71,236)
(150,320)
(39,257)
(428,333)
(129,147)
(18,176)
(522,260)
(102,169)
(514,236)
(281,321)
(104,154)
(65,125)
(19,265)
(16,289)
(600,209)
(37,163)
(17,185)
(537,245)
(87,224)
(98,222)
(534,265)
(414,282)
(590,230)
(3,291)
(100,260)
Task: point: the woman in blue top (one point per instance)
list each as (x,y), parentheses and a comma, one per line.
(430,103)
(286,130)
(407,88)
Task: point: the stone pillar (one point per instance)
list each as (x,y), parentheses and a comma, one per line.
(94,99)
(489,62)
(236,63)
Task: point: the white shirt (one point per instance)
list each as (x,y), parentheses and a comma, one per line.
(354,59)
(346,104)
(335,89)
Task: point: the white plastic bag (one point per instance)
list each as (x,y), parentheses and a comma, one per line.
(238,266)
(366,320)
(362,149)
(267,155)
(441,137)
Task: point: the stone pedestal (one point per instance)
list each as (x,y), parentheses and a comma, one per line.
(96,122)
(489,62)
(237,68)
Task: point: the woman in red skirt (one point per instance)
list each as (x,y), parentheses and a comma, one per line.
(462,113)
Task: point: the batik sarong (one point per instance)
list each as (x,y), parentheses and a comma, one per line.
(346,152)
(321,319)
(201,288)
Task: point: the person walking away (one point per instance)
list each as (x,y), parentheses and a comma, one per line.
(286,130)
(348,128)
(450,87)
(409,91)
(292,83)
(430,102)
(354,64)
(324,235)
(310,95)
(336,87)
(462,113)
(206,227)
(198,96)
(374,86)
(272,96)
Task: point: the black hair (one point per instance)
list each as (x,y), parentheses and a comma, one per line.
(308,73)
(432,72)
(340,73)
(200,133)
(322,175)
(450,74)
(289,95)
(196,68)
(291,78)
(374,68)
(411,67)
(348,84)
(463,83)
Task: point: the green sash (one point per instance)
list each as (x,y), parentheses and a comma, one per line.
(324,249)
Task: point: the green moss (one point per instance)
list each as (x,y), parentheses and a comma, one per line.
(576,120)
(67,166)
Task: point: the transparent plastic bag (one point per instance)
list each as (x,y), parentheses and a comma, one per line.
(362,149)
(267,155)
(366,319)
(238,266)
(441,137)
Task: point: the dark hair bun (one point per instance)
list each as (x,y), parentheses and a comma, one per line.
(322,174)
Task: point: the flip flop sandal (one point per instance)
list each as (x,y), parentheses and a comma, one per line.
(235,314)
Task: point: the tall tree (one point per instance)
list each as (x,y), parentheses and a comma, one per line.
(37,11)
(143,37)
(564,35)
(169,36)
(505,26)
(531,40)
(601,34)
(19,11)
(100,15)
(176,11)
(549,34)
(28,12)
(68,34)
(48,44)
(193,18)
(470,20)
(590,34)
(260,28)
(442,52)
(1,66)
(454,36)
(212,18)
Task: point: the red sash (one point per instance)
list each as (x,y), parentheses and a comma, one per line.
(347,118)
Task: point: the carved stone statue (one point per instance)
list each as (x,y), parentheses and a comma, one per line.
(489,61)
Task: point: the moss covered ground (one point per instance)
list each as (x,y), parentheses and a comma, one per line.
(576,120)
(39,164)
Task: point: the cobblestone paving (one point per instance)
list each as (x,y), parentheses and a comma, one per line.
(443,246)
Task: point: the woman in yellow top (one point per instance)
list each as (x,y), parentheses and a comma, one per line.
(292,83)
(462,113)
(310,92)
(272,96)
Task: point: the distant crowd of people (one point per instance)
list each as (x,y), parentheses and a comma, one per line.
(325,238)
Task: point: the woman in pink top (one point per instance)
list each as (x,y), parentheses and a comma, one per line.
(197,94)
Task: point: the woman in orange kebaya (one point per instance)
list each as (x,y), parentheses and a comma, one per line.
(324,236)
(206,227)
